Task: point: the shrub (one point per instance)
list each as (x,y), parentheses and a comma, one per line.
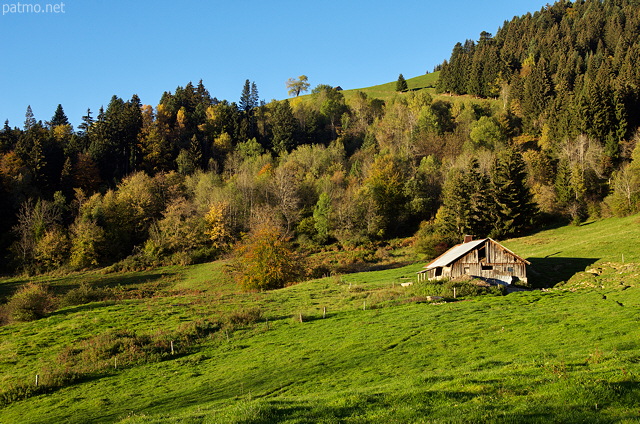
(245,316)
(31,302)
(84,294)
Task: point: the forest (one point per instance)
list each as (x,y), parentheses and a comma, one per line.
(535,124)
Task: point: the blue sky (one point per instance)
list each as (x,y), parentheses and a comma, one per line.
(95,49)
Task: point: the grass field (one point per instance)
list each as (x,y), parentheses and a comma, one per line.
(381,353)
(388,90)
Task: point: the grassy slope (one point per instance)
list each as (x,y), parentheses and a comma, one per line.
(388,90)
(527,357)
(559,253)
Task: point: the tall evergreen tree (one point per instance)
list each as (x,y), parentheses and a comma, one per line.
(30,120)
(254,96)
(247,102)
(283,127)
(87,121)
(59,118)
(515,210)
(401,84)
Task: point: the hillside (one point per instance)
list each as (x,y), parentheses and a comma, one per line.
(381,353)
(388,90)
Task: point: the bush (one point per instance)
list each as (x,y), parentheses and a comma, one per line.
(31,302)
(85,294)
(245,316)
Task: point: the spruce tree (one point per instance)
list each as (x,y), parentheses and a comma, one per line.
(480,204)
(514,209)
(87,121)
(29,121)
(246,100)
(401,84)
(254,97)
(59,118)
(283,127)
(453,217)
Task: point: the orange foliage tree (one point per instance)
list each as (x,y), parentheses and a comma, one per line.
(266,260)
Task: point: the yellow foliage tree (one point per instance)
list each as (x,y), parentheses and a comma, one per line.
(218,225)
(266,260)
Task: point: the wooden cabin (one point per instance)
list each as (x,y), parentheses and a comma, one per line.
(485,259)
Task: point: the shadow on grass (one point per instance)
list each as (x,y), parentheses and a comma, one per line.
(368,267)
(549,271)
(115,280)
(61,285)
(7,289)
(83,308)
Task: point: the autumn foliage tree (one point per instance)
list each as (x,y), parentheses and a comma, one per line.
(266,260)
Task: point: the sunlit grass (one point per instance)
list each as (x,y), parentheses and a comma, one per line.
(367,349)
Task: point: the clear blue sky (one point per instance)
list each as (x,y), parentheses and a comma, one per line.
(95,49)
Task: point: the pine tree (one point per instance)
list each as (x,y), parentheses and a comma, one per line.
(87,121)
(7,138)
(247,102)
(254,97)
(480,205)
(401,84)
(453,217)
(514,210)
(59,118)
(283,127)
(29,121)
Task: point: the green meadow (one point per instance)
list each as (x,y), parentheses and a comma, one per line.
(353,348)
(388,90)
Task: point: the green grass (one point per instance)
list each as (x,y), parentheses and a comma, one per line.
(388,90)
(557,254)
(381,354)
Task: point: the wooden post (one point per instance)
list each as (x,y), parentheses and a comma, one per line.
(454,293)
(115,362)
(266,321)
(364,305)
(301,317)
(324,312)
(37,379)
(172,351)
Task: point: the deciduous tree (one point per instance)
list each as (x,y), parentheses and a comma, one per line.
(266,260)
(297,86)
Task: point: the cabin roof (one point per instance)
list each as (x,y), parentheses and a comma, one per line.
(459,250)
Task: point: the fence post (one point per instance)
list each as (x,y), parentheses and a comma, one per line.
(172,351)
(324,312)
(37,379)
